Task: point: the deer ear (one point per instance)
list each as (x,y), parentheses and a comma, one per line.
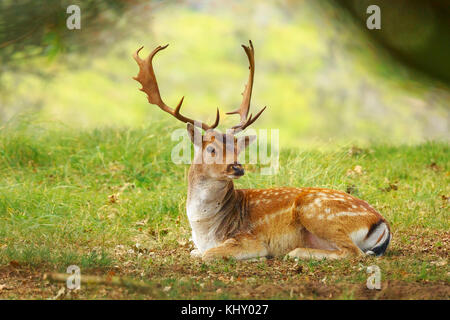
(194,135)
(244,142)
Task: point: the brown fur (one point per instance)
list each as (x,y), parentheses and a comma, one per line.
(234,215)
(299,217)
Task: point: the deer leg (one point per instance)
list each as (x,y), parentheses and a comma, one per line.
(318,254)
(196,253)
(345,248)
(240,249)
(324,240)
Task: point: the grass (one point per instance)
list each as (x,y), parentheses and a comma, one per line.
(111,201)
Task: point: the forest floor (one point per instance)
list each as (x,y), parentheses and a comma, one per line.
(111,202)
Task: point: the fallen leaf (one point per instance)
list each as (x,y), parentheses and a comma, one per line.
(61,294)
(433,166)
(357,170)
(14,263)
(351,189)
(440,263)
(114,198)
(355,151)
(109,275)
(4,287)
(142,222)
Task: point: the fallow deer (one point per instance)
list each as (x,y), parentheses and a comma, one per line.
(249,223)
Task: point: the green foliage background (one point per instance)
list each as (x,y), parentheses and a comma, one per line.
(323,80)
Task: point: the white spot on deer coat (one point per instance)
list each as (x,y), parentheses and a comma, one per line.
(269,217)
(318,202)
(346,213)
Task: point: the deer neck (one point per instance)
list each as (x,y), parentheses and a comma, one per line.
(214,209)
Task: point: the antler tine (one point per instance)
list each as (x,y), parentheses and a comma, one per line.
(216,123)
(146,77)
(247,94)
(249,121)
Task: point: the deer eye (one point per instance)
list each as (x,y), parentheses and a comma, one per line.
(210,149)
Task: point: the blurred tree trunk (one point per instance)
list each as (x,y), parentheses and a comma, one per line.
(415,32)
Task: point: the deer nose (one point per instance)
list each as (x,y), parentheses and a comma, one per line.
(237,169)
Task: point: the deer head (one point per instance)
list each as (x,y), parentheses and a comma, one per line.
(215,153)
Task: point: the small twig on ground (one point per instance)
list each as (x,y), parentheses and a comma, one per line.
(103,280)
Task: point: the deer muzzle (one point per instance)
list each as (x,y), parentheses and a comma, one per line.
(236,169)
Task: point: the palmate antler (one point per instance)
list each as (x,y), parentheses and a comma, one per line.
(247,94)
(146,77)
